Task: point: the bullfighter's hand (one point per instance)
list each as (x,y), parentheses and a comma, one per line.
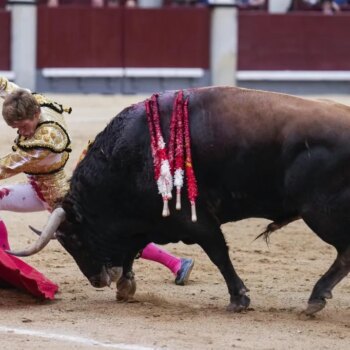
(3,83)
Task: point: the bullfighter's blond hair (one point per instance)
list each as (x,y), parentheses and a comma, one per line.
(19,105)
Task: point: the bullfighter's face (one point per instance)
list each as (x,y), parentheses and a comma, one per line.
(26,127)
(99,273)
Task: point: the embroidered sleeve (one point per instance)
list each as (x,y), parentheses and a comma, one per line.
(21,161)
(50,136)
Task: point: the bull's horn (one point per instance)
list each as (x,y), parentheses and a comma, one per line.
(54,221)
(38,232)
(35,230)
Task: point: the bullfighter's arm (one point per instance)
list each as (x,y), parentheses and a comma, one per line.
(22,161)
(43,153)
(6,87)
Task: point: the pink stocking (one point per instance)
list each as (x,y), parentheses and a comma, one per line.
(4,244)
(154,253)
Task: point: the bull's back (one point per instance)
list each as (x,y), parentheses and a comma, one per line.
(261,116)
(265,145)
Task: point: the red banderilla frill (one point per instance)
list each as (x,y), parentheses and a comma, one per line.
(169,163)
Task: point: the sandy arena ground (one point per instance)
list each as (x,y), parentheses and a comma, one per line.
(166,316)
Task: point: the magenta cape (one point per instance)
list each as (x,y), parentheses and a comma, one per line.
(17,273)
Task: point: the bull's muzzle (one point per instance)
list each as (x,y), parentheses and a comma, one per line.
(106,276)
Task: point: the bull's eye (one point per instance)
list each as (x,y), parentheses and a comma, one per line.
(59,235)
(71,241)
(79,218)
(75,242)
(109,264)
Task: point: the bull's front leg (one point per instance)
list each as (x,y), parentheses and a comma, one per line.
(126,285)
(323,288)
(217,250)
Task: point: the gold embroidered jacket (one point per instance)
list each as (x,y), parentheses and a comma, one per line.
(43,156)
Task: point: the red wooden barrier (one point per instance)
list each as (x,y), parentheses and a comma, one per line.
(72,36)
(167,37)
(308,41)
(5,44)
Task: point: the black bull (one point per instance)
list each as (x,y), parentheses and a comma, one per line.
(255,154)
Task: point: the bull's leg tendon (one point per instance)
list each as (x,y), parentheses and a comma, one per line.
(323,288)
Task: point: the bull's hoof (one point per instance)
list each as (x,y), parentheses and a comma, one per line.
(238,304)
(126,288)
(314,306)
(327,294)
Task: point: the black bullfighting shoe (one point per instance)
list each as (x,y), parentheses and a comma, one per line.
(183,274)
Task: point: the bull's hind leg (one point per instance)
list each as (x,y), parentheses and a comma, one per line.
(329,217)
(212,241)
(324,286)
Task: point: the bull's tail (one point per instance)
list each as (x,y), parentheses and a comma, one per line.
(274,226)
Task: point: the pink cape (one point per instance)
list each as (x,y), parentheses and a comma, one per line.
(15,272)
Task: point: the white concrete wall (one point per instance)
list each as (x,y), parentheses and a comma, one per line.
(23,42)
(224,37)
(279,6)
